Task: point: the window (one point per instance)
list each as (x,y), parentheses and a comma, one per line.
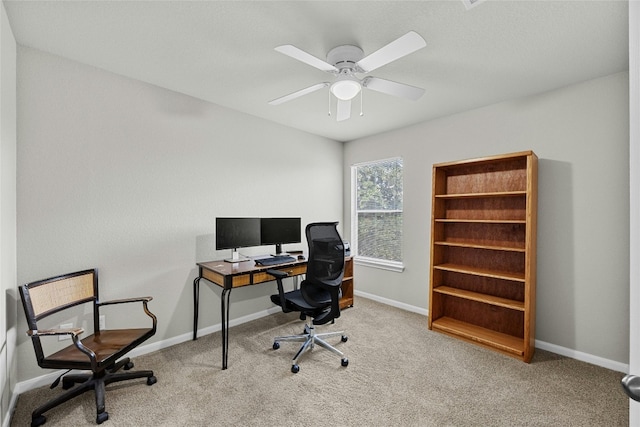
(377,213)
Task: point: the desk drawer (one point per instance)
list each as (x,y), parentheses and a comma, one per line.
(218,279)
(213,277)
(292,270)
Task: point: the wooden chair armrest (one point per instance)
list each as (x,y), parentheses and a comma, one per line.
(49,332)
(74,332)
(143,300)
(125,300)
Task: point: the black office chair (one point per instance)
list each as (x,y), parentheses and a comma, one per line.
(102,353)
(319,294)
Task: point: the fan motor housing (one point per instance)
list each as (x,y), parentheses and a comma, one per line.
(345,57)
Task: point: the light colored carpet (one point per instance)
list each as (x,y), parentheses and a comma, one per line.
(399,374)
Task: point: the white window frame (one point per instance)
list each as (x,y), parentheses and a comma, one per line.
(396,266)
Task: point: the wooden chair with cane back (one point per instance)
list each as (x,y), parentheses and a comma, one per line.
(102,353)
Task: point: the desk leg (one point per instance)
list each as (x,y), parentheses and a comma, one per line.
(224,312)
(196,306)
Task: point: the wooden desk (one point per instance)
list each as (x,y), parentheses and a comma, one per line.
(235,275)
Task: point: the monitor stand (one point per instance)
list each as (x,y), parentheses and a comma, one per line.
(278,250)
(236,257)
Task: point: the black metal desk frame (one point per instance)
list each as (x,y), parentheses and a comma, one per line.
(231,277)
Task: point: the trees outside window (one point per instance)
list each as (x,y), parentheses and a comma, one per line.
(377,218)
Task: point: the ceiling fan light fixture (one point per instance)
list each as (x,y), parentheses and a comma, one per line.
(346,61)
(345,89)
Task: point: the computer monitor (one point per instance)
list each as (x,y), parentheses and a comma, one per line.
(278,231)
(234,233)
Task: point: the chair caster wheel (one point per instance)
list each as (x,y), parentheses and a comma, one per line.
(128,366)
(66,385)
(345,361)
(295,369)
(344,338)
(152,380)
(38,421)
(276,345)
(102,417)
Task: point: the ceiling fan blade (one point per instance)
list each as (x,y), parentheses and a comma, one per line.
(305,57)
(343,110)
(392,88)
(398,48)
(299,93)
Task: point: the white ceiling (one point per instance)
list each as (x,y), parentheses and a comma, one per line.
(222,51)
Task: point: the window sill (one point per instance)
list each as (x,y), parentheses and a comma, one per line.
(398,267)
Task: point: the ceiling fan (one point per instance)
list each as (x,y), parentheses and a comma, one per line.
(346,61)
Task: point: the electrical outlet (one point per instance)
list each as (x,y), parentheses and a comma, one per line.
(65,326)
(102,322)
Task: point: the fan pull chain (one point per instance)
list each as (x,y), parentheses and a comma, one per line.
(329,114)
(361,95)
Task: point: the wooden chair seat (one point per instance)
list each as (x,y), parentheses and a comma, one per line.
(106,345)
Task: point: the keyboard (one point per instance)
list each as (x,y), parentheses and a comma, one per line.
(273,260)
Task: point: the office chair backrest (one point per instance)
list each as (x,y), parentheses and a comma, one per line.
(326,254)
(46,297)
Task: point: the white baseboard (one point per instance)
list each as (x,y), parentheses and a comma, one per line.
(48,378)
(583,357)
(563,351)
(12,405)
(392,303)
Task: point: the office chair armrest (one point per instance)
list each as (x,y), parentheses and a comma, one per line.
(279,275)
(49,332)
(335,292)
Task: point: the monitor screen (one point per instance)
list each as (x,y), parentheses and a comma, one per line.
(277,231)
(233,233)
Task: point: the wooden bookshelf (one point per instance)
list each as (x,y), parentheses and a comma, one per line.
(483,252)
(347,284)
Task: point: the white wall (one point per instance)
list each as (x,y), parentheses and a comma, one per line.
(128,177)
(634,200)
(581,136)
(7,214)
